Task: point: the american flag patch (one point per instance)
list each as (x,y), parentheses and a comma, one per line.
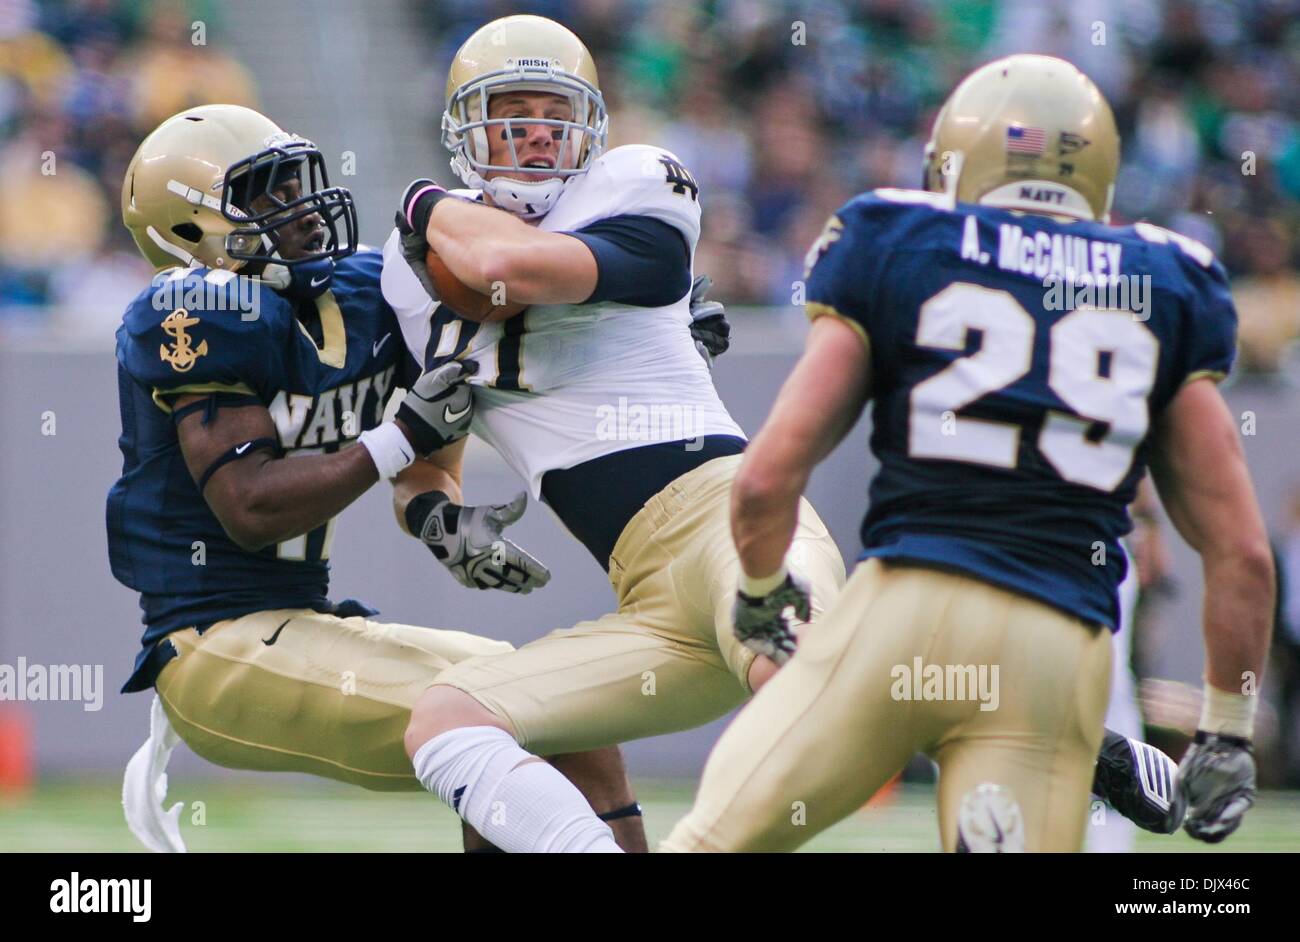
(1026,140)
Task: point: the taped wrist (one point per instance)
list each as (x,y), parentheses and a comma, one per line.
(234,453)
(1228,714)
(753,589)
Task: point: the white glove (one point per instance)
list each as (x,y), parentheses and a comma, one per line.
(468,541)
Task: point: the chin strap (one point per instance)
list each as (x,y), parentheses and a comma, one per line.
(526,200)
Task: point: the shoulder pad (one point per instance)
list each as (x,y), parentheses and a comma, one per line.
(365,262)
(636,180)
(1210,329)
(890,194)
(198,330)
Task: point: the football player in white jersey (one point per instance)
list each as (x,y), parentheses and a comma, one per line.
(597,397)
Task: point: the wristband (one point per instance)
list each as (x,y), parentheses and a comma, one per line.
(757,588)
(389,449)
(418,208)
(1228,714)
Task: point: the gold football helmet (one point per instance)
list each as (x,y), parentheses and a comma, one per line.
(188,192)
(522,53)
(1026,132)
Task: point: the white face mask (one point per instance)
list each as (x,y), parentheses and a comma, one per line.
(465,134)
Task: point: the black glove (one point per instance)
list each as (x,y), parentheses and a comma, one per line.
(763,624)
(439,406)
(1137,779)
(468,541)
(1217,780)
(709,326)
(412,220)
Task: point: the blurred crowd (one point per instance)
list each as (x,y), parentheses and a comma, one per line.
(781,108)
(785,108)
(81,83)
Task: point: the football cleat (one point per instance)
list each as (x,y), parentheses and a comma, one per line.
(1137,780)
(1217,779)
(990,822)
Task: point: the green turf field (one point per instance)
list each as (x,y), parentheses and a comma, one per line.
(266,814)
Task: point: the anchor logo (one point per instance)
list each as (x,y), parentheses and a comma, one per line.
(180,354)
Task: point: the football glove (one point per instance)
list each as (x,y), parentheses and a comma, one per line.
(412,220)
(763,624)
(1137,779)
(468,541)
(439,406)
(1217,780)
(709,327)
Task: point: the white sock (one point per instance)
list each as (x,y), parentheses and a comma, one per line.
(519,804)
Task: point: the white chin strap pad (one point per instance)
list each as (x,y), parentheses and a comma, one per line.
(277,276)
(529,200)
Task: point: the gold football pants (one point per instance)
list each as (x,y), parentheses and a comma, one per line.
(666,659)
(293,690)
(894,668)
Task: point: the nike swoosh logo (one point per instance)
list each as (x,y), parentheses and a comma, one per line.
(317,282)
(242,448)
(380,343)
(276,637)
(450,416)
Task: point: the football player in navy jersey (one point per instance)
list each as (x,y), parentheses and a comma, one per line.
(1026,362)
(263,337)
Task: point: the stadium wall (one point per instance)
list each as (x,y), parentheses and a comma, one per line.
(59,603)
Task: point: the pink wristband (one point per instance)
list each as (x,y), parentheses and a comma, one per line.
(410,204)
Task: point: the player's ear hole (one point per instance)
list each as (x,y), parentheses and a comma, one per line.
(188,231)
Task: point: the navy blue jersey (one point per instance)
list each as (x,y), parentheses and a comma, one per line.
(1018,363)
(324,377)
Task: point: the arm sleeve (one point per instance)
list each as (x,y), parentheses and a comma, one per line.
(639,260)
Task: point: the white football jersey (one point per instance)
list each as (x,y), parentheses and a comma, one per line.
(561,384)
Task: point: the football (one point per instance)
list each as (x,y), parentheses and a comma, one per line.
(464,300)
